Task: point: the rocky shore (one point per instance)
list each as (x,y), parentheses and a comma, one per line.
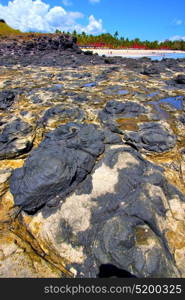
(92,162)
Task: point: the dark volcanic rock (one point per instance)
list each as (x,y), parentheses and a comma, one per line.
(152,137)
(16,138)
(6,99)
(45,50)
(180,79)
(60,162)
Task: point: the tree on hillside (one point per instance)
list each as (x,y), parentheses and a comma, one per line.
(57,31)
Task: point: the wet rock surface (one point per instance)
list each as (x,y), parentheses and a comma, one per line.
(91,162)
(115,111)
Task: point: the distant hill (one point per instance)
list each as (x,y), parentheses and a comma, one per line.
(5,29)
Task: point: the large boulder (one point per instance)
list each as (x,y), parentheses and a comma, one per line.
(63,160)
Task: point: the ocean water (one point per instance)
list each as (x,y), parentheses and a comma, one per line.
(158,57)
(168,55)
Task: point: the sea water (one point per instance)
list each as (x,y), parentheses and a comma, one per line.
(156,57)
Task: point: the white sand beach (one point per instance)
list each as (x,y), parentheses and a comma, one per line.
(133,52)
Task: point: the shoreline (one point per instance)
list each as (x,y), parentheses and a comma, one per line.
(132,52)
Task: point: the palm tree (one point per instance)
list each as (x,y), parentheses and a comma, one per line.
(116,34)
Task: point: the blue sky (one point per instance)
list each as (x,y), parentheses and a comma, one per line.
(145,19)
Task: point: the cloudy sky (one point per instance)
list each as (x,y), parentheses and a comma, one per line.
(152,20)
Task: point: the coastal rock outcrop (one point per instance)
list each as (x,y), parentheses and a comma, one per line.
(44,49)
(41,43)
(92,166)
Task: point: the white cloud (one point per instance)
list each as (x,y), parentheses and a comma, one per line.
(177,37)
(30,15)
(94,26)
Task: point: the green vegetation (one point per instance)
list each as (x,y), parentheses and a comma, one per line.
(106,40)
(7,30)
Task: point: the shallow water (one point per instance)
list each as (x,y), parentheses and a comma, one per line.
(153,94)
(174,101)
(156,57)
